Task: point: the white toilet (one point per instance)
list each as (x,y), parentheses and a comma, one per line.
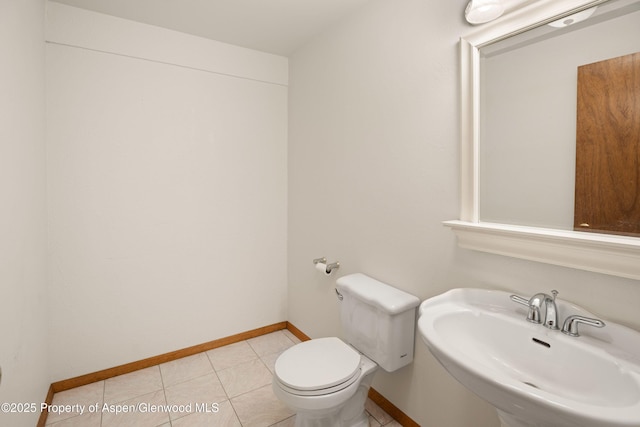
(326,381)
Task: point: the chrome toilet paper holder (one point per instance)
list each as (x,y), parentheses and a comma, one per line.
(328,267)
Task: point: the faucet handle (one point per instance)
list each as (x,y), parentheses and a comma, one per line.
(570,326)
(520,300)
(555,294)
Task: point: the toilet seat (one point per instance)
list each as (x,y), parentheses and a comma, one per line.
(317,367)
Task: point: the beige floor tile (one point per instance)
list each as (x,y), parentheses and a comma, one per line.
(144,411)
(83,396)
(292,337)
(241,371)
(231,355)
(85,420)
(245,377)
(274,342)
(289,422)
(270,361)
(184,369)
(260,408)
(225,417)
(373,422)
(128,386)
(198,394)
(377,412)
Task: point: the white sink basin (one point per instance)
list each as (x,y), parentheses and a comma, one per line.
(533,375)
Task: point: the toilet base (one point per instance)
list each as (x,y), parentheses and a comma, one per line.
(351,414)
(342,408)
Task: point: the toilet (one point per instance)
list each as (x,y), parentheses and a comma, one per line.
(326,380)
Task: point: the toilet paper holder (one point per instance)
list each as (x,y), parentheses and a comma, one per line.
(328,267)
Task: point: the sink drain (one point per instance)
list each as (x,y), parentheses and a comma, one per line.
(530,384)
(542,343)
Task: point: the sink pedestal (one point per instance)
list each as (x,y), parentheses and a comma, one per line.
(508,420)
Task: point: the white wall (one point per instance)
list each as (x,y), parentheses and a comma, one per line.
(166,188)
(22,208)
(374,169)
(149,238)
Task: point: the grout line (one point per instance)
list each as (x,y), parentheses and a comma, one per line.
(104,390)
(104,374)
(164,393)
(229,399)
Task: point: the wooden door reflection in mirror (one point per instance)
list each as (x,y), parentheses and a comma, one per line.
(607,185)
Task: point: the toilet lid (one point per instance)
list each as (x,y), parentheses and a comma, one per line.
(317,364)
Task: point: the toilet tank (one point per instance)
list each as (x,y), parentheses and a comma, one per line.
(378,320)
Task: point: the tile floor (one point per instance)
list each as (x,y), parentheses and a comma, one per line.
(226,387)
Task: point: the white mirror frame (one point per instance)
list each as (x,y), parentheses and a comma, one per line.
(602,253)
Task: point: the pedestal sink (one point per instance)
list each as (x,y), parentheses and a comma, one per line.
(532,375)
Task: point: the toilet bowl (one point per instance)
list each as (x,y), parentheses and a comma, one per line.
(326,382)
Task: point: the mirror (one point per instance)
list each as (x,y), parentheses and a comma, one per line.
(518,162)
(528,94)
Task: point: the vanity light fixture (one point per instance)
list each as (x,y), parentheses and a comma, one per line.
(573,19)
(481,11)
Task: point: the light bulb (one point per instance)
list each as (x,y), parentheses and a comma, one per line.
(481,11)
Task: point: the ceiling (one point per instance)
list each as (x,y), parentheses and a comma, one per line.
(274,26)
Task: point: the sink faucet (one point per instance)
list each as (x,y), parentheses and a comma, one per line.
(535,304)
(551,311)
(570,326)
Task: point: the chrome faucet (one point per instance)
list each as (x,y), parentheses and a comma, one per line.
(535,305)
(551,310)
(570,326)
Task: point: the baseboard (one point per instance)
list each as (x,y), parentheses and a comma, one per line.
(42,420)
(297,332)
(391,409)
(104,374)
